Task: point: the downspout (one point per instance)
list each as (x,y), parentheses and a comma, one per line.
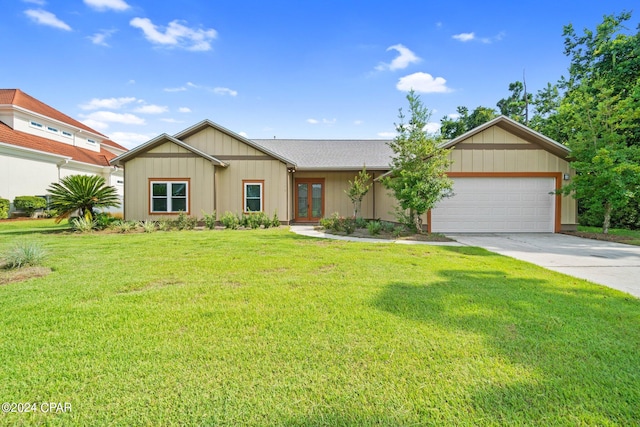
(215,191)
(59,165)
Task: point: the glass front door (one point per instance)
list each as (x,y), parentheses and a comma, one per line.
(309,199)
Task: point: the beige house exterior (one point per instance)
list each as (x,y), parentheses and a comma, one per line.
(505,176)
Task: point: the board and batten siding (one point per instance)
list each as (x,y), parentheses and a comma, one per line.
(523,157)
(245,164)
(140,169)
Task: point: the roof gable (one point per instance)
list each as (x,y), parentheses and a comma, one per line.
(517,129)
(208,123)
(159,140)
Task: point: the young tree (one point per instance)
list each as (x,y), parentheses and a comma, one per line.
(418,176)
(81,193)
(358,189)
(515,105)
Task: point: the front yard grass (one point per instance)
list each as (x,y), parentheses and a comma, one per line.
(265,327)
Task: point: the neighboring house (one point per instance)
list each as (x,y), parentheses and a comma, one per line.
(505,176)
(39,145)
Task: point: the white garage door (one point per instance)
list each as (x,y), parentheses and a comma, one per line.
(497,205)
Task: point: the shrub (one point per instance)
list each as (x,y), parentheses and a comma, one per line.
(83,225)
(339,223)
(103,220)
(275,221)
(374,227)
(164,225)
(398,230)
(387,226)
(184,222)
(209,220)
(4,208)
(29,204)
(23,254)
(148,226)
(124,226)
(361,222)
(254,220)
(230,220)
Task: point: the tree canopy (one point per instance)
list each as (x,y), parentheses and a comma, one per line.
(81,193)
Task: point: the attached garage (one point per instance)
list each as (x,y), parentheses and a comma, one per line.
(484,204)
(505,176)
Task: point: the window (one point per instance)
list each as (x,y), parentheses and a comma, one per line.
(253,196)
(67,134)
(52,129)
(170,196)
(91,141)
(35,124)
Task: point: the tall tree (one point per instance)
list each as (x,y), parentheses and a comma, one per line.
(515,105)
(82,193)
(600,114)
(464,122)
(418,176)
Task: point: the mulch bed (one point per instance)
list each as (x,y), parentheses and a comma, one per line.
(363,233)
(600,236)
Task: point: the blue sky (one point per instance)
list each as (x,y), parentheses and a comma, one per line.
(133,69)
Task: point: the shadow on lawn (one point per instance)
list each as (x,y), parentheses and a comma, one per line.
(581,344)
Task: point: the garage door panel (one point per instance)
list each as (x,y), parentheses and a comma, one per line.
(513,204)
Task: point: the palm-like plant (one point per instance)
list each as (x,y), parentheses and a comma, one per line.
(81,193)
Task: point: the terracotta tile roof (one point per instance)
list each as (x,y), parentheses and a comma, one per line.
(25,140)
(26,101)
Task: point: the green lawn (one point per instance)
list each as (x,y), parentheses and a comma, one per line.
(265,327)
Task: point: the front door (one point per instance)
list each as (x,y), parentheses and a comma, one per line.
(309,200)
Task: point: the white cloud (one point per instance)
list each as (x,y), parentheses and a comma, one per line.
(312,121)
(423,82)
(175,89)
(38,2)
(403,60)
(109,103)
(432,127)
(329,122)
(496,38)
(111,117)
(224,91)
(184,109)
(130,139)
(453,116)
(95,124)
(152,109)
(243,134)
(166,120)
(387,134)
(42,17)
(464,37)
(100,38)
(131,82)
(176,35)
(358,122)
(118,5)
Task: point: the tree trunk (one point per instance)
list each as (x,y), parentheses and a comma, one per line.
(607,218)
(418,223)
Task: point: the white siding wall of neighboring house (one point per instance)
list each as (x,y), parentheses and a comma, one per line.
(18,177)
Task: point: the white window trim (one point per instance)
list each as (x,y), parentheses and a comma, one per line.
(247,182)
(91,141)
(52,129)
(168,182)
(66,134)
(36,125)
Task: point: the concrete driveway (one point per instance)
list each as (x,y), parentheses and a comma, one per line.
(610,264)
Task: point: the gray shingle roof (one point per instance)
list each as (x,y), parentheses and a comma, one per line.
(345,154)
